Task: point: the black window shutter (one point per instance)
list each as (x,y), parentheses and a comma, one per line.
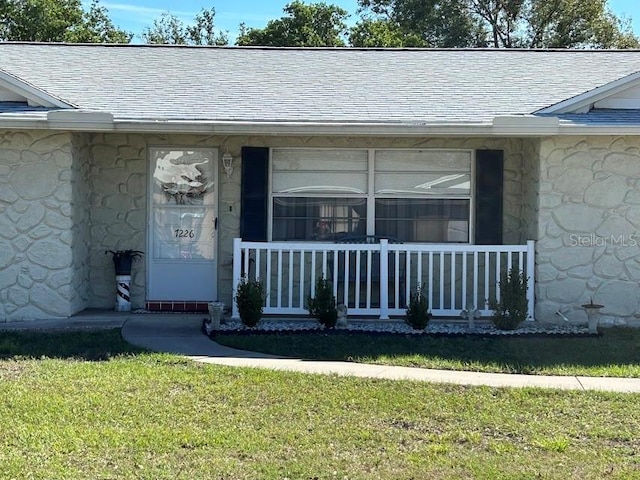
(489,189)
(254,194)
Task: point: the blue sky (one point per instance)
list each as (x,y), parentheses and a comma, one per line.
(134,15)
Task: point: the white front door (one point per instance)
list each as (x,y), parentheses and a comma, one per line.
(183,225)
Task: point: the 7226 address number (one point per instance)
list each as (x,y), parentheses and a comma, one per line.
(184,233)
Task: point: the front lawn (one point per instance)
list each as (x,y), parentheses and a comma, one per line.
(614,354)
(131,415)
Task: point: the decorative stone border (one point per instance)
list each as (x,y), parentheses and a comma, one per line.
(268,326)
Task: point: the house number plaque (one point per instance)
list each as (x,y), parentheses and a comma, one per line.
(180,233)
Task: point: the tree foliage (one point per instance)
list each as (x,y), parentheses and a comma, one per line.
(494,23)
(313,25)
(57,21)
(416,23)
(381,23)
(97,27)
(375,32)
(170,30)
(552,24)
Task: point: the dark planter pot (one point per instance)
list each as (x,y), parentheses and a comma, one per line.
(123,265)
(123,260)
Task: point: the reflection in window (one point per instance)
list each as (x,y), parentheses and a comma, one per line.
(180,176)
(423,220)
(412,195)
(300,218)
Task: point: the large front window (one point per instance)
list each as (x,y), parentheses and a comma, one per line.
(406,195)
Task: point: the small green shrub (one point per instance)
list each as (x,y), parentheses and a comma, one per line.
(513,306)
(250,298)
(418,315)
(323,305)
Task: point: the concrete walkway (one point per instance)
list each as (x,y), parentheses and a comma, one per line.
(181,334)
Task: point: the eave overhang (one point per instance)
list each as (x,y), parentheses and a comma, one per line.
(584,102)
(32,94)
(501,126)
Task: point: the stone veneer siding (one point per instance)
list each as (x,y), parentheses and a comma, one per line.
(118,205)
(588,232)
(118,180)
(43,224)
(66,198)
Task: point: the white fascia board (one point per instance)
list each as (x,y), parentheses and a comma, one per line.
(74,120)
(525,125)
(79,118)
(310,128)
(504,126)
(93,123)
(582,103)
(32,94)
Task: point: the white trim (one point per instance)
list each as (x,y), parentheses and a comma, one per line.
(502,126)
(32,94)
(618,104)
(371,188)
(472,202)
(270,197)
(582,103)
(323,257)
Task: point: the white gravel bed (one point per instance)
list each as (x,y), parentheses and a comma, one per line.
(398,327)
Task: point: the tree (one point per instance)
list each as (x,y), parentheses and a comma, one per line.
(495,23)
(97,27)
(553,24)
(169,29)
(416,23)
(57,21)
(313,25)
(370,32)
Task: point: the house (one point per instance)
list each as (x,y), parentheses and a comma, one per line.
(459,157)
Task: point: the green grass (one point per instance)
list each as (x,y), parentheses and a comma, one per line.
(614,354)
(132,414)
(86,345)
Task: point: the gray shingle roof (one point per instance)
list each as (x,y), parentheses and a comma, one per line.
(312,85)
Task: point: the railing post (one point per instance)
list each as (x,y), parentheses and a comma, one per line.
(531,282)
(237,272)
(384,279)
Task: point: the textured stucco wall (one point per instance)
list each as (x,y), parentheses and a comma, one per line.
(66,198)
(118,180)
(530,186)
(588,232)
(40,251)
(118,200)
(78,197)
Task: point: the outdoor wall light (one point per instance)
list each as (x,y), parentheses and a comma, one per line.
(227,163)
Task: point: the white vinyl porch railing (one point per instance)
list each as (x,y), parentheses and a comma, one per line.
(377,279)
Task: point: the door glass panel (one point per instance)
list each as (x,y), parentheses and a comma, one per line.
(183,232)
(183,196)
(183,177)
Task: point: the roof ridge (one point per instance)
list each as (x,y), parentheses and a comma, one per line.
(343,49)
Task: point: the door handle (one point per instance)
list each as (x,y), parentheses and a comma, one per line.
(215,224)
